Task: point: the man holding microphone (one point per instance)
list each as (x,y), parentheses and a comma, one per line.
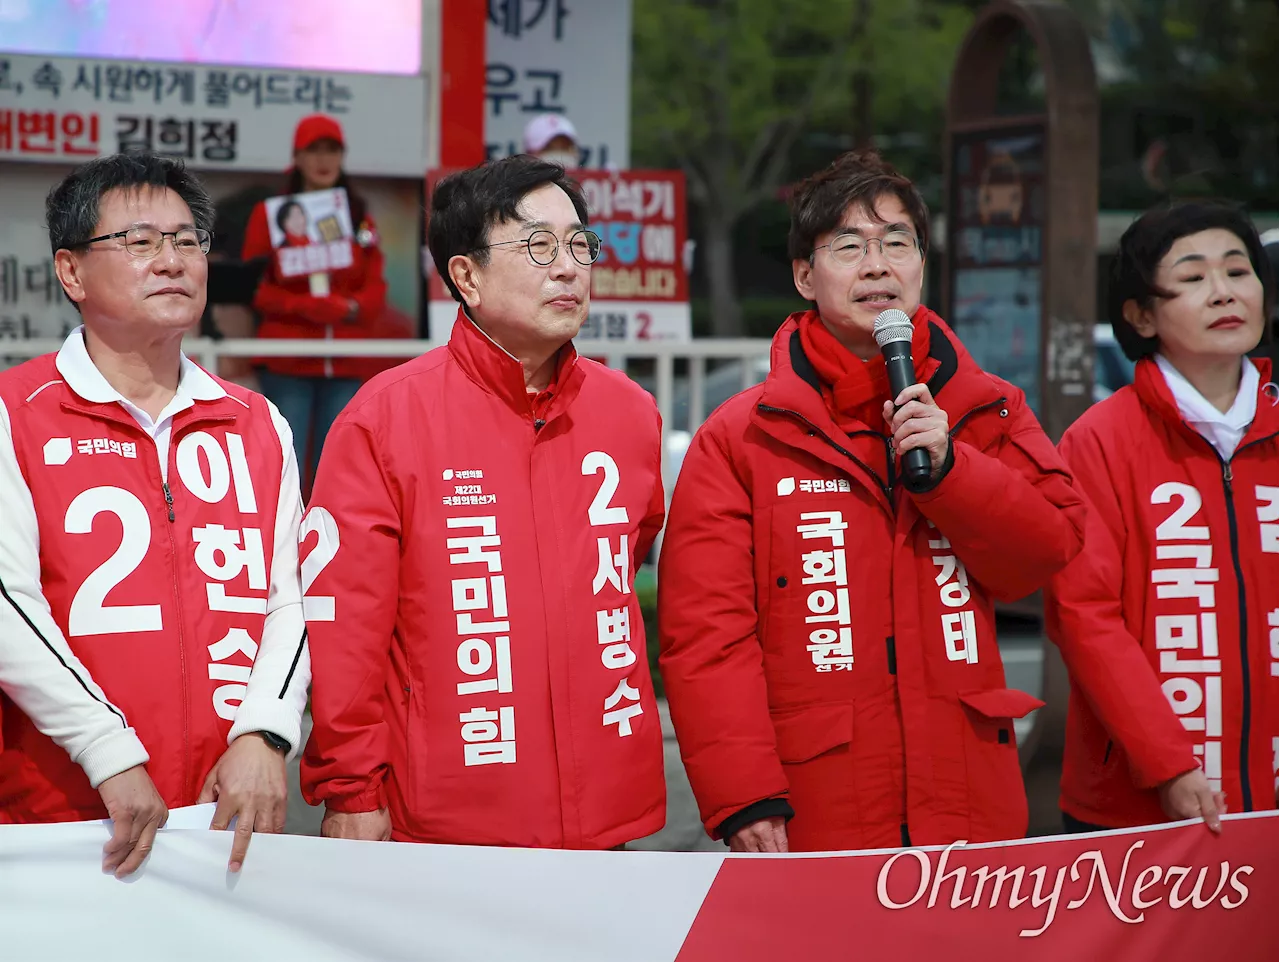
(834,551)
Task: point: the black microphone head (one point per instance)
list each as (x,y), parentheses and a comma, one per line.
(892,325)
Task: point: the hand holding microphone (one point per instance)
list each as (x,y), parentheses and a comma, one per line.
(919,427)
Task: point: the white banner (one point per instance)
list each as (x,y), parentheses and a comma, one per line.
(67,110)
(570,57)
(318,899)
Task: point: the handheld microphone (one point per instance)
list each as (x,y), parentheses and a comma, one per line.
(893,332)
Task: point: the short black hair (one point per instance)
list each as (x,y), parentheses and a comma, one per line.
(283,213)
(71,209)
(1145,244)
(465,206)
(861,177)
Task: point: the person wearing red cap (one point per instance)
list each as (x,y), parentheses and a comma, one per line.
(310,392)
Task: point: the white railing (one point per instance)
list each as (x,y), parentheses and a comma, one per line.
(684,402)
(702,390)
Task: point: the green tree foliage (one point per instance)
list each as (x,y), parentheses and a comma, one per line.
(728,89)
(1190,105)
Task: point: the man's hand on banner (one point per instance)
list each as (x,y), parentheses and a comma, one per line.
(766,835)
(248,783)
(361,826)
(1189,796)
(918,422)
(138,811)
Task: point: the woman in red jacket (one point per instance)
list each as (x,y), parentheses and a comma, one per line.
(1168,619)
(343,303)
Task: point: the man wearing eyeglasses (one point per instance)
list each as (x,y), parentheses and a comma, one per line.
(152,644)
(828,635)
(469,555)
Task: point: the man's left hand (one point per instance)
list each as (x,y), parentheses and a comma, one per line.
(249,784)
(918,422)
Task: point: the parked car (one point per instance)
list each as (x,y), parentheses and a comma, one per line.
(1111,369)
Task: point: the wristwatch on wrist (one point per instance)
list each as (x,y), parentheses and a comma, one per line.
(275,741)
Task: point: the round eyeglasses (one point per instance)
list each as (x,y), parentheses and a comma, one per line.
(897,247)
(544,247)
(147,241)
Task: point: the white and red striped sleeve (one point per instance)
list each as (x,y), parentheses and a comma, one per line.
(277,694)
(38,670)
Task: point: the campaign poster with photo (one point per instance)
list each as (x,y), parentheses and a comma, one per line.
(311,232)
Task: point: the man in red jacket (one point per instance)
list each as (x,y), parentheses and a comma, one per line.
(478,518)
(828,638)
(150,610)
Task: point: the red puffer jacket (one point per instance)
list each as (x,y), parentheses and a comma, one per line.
(830,637)
(478,650)
(1168,622)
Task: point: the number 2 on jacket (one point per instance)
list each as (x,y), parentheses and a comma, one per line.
(600,513)
(89,615)
(319,520)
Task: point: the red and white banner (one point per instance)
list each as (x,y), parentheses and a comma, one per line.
(640,284)
(1164,893)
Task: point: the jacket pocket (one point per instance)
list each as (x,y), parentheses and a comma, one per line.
(805,733)
(997,797)
(1001,704)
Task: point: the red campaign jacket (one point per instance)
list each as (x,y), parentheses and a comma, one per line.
(1168,621)
(151,604)
(821,640)
(289,311)
(478,651)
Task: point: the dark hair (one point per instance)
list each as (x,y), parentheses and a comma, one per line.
(283,213)
(860,177)
(466,205)
(1145,244)
(71,209)
(355,203)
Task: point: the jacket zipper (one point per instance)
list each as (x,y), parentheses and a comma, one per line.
(818,432)
(978,410)
(1233,531)
(182,648)
(1246,698)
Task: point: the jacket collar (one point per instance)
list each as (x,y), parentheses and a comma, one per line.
(1155,394)
(89,385)
(500,373)
(958,384)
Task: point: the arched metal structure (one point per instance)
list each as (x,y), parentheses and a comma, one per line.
(1019,282)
